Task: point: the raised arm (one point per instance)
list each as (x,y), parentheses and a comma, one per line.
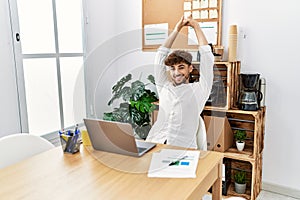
(170,40)
(199,33)
(206,61)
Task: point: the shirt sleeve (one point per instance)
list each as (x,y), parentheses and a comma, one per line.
(206,69)
(160,68)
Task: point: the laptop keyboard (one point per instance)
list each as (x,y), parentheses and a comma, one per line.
(141,149)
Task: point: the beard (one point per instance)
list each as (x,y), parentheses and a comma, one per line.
(179,79)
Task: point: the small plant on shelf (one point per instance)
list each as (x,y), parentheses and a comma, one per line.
(240,182)
(240,136)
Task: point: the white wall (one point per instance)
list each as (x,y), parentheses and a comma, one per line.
(9,118)
(270,47)
(114,41)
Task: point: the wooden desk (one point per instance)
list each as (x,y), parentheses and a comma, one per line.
(55,175)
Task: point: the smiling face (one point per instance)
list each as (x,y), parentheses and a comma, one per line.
(180,73)
(179,63)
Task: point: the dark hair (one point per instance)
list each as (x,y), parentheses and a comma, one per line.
(177,57)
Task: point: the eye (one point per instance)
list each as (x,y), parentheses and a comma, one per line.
(181,67)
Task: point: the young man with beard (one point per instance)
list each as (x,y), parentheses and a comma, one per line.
(180,102)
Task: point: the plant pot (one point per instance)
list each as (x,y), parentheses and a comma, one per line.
(240,145)
(240,188)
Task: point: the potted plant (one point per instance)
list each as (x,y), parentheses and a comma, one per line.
(136,106)
(240,136)
(240,182)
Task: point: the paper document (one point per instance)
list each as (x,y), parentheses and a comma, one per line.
(187,5)
(155,33)
(170,163)
(210,30)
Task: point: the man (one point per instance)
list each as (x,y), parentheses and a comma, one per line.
(181,102)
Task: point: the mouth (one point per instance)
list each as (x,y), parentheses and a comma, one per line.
(178,78)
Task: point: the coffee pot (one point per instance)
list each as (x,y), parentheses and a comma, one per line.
(250,95)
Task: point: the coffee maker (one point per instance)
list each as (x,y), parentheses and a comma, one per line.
(249,93)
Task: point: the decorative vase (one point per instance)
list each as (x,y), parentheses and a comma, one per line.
(240,188)
(240,145)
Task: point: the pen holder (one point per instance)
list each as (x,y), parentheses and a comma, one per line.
(70,142)
(85,138)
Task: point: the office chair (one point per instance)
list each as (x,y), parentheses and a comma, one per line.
(17,147)
(201,135)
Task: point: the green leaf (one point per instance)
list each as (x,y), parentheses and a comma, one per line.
(138,117)
(142,108)
(142,131)
(138,89)
(118,86)
(122,114)
(240,135)
(118,90)
(115,96)
(108,116)
(126,93)
(151,79)
(240,177)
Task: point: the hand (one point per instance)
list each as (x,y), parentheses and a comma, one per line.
(191,22)
(199,33)
(181,23)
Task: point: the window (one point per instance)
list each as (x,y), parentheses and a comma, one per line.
(51,54)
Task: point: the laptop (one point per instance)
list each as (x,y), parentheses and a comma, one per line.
(115,137)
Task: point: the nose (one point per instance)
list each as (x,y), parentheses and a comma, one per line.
(176,72)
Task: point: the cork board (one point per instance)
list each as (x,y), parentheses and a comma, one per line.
(168,12)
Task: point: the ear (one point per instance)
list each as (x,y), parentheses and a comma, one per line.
(191,68)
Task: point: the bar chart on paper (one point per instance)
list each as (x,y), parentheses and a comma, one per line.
(169,163)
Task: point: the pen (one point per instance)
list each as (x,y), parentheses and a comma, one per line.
(76,131)
(176,162)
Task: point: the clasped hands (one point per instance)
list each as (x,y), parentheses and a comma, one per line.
(189,21)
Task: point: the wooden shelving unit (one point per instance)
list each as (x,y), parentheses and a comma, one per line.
(249,160)
(227,72)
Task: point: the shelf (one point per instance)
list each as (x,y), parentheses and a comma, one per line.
(215,62)
(224,92)
(250,159)
(211,108)
(231,192)
(245,155)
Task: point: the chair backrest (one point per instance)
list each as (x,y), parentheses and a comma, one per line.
(16,147)
(201,135)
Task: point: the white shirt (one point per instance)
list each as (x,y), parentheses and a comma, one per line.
(180,106)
